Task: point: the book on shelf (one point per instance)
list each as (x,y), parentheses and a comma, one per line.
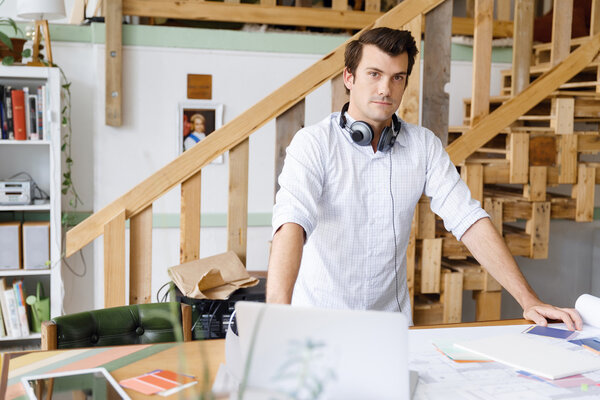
(9,112)
(19,118)
(32,111)
(21,306)
(10,310)
(41,110)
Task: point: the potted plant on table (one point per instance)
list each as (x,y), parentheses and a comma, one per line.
(11,49)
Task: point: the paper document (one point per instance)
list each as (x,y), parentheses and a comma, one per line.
(535,356)
(589,308)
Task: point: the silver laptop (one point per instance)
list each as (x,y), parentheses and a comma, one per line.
(324,354)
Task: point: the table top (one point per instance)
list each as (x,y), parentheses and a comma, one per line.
(124,362)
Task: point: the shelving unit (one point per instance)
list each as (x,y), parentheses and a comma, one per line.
(42,160)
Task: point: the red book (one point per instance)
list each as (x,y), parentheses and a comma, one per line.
(18,103)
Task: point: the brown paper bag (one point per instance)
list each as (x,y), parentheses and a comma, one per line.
(212,278)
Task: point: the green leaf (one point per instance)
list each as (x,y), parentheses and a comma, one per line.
(8,60)
(69,160)
(64,190)
(26,53)
(63,147)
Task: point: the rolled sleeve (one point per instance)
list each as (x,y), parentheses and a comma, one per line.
(301,184)
(450,196)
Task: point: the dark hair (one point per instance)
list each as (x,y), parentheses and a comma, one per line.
(392,41)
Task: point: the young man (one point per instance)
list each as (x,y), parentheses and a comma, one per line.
(349,188)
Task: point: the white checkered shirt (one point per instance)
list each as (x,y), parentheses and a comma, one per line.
(339,192)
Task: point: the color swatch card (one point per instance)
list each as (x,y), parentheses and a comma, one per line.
(550,332)
(159,382)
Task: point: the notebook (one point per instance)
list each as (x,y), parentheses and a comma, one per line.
(97,382)
(324,354)
(528,353)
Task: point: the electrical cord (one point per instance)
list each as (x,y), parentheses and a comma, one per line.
(395,241)
(42,194)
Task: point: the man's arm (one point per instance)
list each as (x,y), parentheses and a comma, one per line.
(284,263)
(487,246)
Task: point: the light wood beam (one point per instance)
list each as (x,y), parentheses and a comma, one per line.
(114,62)
(234,132)
(561,30)
(140,257)
(482,60)
(286,126)
(189,231)
(339,97)
(503,10)
(522,44)
(114,261)
(508,112)
(409,109)
(237,213)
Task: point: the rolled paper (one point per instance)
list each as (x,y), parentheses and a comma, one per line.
(589,309)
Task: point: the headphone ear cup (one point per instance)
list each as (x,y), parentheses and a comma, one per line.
(361,133)
(385,139)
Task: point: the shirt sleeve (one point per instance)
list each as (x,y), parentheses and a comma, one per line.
(300,182)
(450,196)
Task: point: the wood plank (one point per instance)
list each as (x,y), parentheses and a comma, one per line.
(281,15)
(77,14)
(425,226)
(535,190)
(411,253)
(373,6)
(451,297)
(508,112)
(563,115)
(589,144)
(431,265)
(237,211)
(234,132)
(472,174)
(114,261)
(567,158)
(409,109)
(189,231)
(503,10)
(542,151)
(595,18)
(286,126)
(494,208)
(503,322)
(482,60)
(436,70)
(523,40)
(339,96)
(140,257)
(49,337)
(487,305)
(561,30)
(268,3)
(518,156)
(489,283)
(584,190)
(114,62)
(339,4)
(538,227)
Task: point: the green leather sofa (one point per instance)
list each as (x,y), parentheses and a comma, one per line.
(133,324)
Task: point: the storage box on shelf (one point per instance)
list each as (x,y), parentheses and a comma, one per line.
(40,221)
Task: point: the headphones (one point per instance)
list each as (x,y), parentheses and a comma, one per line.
(362,133)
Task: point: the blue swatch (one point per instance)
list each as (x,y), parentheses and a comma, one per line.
(550,332)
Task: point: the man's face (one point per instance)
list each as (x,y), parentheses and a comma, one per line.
(198,125)
(377,86)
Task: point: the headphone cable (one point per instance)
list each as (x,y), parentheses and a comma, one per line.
(395,241)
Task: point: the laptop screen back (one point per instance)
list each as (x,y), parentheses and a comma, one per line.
(324,354)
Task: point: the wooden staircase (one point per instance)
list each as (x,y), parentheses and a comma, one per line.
(499,144)
(513,172)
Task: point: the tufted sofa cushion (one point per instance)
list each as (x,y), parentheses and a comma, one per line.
(133,324)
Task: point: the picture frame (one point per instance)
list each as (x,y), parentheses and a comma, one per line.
(196,120)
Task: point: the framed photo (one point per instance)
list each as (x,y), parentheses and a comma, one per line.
(198,119)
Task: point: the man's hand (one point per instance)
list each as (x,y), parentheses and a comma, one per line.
(540,312)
